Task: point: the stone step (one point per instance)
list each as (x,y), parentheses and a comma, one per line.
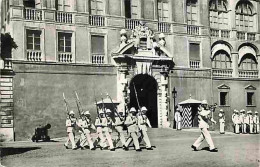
(5,113)
(6,96)
(3,88)
(6,92)
(7,108)
(2,79)
(6,100)
(6,104)
(10,84)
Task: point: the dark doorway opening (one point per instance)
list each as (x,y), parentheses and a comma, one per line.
(146,89)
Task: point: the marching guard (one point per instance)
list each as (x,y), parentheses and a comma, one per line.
(131,123)
(221,121)
(107,128)
(256,122)
(178,119)
(204,117)
(118,124)
(98,124)
(70,124)
(143,121)
(81,142)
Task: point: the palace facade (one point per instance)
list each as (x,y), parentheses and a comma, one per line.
(203,49)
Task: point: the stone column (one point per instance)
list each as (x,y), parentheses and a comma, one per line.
(121,87)
(234,57)
(258,65)
(232,18)
(164,104)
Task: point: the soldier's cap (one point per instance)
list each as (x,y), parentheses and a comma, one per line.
(249,112)
(86,113)
(132,109)
(177,109)
(71,112)
(204,102)
(108,111)
(143,108)
(243,110)
(221,110)
(236,111)
(256,112)
(161,35)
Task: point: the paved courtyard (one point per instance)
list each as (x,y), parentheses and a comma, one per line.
(172,148)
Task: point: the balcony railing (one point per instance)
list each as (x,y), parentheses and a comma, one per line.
(222,72)
(164,27)
(241,35)
(194,64)
(64,17)
(65,57)
(251,36)
(96,20)
(219,33)
(7,64)
(248,73)
(246,36)
(98,59)
(131,24)
(32,14)
(33,55)
(193,30)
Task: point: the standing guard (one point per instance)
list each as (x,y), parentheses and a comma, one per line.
(118,124)
(143,121)
(87,126)
(256,122)
(130,122)
(107,128)
(204,117)
(242,121)
(250,122)
(246,122)
(232,117)
(178,119)
(237,122)
(221,121)
(70,124)
(98,124)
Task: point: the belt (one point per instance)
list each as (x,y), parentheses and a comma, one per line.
(98,126)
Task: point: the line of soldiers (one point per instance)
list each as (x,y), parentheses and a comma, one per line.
(245,122)
(136,123)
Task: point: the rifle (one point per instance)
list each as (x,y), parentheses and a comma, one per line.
(138,101)
(103,106)
(66,104)
(114,107)
(96,105)
(78,104)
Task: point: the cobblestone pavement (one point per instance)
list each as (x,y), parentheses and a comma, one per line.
(172,149)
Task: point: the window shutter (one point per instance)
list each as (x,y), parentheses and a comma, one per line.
(100,7)
(134,9)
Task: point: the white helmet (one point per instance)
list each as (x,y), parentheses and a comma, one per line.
(132,109)
(221,110)
(86,113)
(108,111)
(71,112)
(256,112)
(143,108)
(161,35)
(204,102)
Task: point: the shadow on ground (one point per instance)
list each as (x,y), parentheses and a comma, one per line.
(16,150)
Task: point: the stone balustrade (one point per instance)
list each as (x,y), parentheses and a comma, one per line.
(8,64)
(32,14)
(131,23)
(33,55)
(64,17)
(194,64)
(164,27)
(65,57)
(222,72)
(95,20)
(219,33)
(98,59)
(248,73)
(193,30)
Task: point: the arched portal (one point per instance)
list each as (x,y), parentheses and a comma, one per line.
(146,89)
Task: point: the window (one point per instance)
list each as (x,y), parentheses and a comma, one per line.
(221,60)
(218,14)
(97,49)
(64,42)
(192,12)
(97,7)
(33,39)
(194,55)
(244,16)
(223,98)
(248,62)
(163,11)
(29,3)
(128,8)
(64,5)
(250,98)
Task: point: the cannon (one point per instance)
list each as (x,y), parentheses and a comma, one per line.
(41,133)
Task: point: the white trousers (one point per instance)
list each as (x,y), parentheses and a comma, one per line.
(204,135)
(178,125)
(237,128)
(133,137)
(109,139)
(102,140)
(222,127)
(256,128)
(86,138)
(71,139)
(251,126)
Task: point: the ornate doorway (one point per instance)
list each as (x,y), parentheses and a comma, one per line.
(146,91)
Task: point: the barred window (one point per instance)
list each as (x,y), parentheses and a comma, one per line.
(64,42)
(33,39)
(218,14)
(163,10)
(244,16)
(221,60)
(192,12)
(248,62)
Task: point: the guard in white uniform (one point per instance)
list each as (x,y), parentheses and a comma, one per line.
(143,121)
(131,123)
(178,119)
(232,117)
(237,122)
(242,121)
(221,121)
(204,118)
(107,128)
(256,122)
(118,124)
(98,124)
(250,122)
(246,122)
(70,124)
